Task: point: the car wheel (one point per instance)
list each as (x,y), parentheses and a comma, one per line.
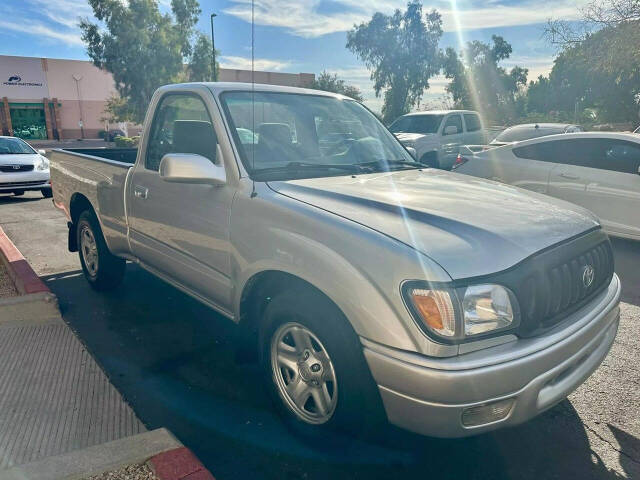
(18,193)
(102,270)
(315,370)
(430,159)
(46,193)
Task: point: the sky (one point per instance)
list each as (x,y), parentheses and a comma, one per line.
(303,35)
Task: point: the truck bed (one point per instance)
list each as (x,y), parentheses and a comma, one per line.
(124,155)
(100,176)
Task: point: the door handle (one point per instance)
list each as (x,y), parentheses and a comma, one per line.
(140,192)
(569,176)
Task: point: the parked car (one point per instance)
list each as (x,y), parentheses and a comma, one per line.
(372,289)
(527,131)
(22,168)
(437,135)
(598,171)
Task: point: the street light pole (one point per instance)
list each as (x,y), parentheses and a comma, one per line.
(81,122)
(213,51)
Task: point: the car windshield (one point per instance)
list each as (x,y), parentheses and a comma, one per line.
(286,135)
(520,134)
(417,124)
(15,146)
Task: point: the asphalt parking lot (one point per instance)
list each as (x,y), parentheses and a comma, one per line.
(173,361)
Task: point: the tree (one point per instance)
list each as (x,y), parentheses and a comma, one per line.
(598,63)
(142,48)
(331,83)
(402,52)
(478,81)
(200,64)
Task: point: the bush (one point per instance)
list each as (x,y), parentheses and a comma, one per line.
(127,142)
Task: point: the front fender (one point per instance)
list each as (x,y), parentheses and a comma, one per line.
(357,268)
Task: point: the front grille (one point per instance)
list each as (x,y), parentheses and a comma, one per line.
(21,184)
(559,288)
(16,168)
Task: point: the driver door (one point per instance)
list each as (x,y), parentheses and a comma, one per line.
(179,230)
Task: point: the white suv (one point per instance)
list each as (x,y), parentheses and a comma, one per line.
(437,135)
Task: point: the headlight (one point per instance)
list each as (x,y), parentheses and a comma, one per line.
(486,308)
(42,163)
(457,314)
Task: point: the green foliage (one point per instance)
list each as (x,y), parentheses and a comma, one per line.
(600,72)
(478,82)
(142,48)
(402,52)
(331,83)
(200,64)
(127,142)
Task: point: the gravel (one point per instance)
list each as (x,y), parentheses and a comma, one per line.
(130,472)
(6,285)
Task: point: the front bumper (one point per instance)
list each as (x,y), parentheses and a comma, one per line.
(35,180)
(428,396)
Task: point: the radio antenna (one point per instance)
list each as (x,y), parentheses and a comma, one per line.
(253,101)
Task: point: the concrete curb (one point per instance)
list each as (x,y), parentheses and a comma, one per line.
(36,300)
(81,464)
(179,464)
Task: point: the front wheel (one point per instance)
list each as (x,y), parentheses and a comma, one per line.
(102,270)
(315,369)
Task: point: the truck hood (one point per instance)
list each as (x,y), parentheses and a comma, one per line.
(470,226)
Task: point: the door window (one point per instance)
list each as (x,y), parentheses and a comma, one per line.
(181,125)
(472,122)
(601,153)
(453,121)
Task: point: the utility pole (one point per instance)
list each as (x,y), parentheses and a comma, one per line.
(213,51)
(81,122)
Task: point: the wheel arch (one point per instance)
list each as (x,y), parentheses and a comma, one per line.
(78,204)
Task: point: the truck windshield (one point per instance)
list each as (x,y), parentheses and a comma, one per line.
(14,146)
(417,124)
(287,135)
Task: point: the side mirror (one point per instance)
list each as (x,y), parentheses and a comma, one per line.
(413,152)
(191,168)
(42,152)
(450,130)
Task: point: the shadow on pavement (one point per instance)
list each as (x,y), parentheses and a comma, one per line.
(174,362)
(5,199)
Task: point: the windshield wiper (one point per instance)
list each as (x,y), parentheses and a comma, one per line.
(298,166)
(399,163)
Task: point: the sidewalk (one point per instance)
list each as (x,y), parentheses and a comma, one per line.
(54,398)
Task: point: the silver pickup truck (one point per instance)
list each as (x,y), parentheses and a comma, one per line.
(373,289)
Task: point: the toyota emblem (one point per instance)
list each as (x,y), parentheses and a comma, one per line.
(588,274)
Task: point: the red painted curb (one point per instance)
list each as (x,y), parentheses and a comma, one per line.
(23,276)
(179,464)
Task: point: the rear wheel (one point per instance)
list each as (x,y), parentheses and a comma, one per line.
(46,193)
(315,369)
(102,270)
(18,193)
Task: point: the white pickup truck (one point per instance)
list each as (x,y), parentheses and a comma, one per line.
(372,288)
(437,136)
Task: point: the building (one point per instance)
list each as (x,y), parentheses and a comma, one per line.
(52,98)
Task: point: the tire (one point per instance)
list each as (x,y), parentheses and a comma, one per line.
(47,192)
(430,160)
(18,193)
(102,270)
(344,385)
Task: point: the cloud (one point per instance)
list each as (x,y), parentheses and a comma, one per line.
(307,18)
(39,30)
(244,63)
